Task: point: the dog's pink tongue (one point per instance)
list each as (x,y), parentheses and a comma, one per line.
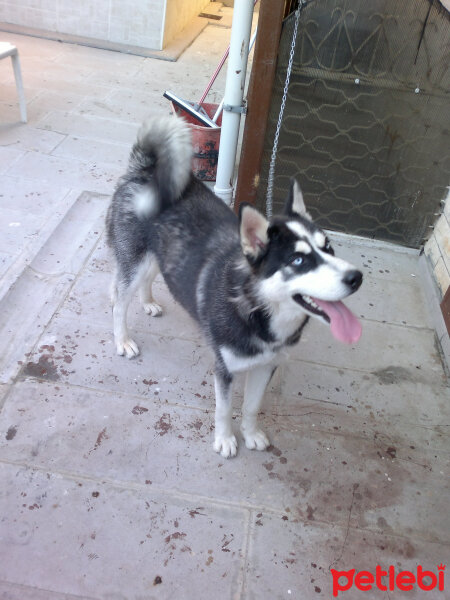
(345,327)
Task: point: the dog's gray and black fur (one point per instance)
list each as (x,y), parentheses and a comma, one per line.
(250,284)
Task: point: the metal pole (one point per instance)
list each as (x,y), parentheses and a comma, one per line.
(233,99)
(220,107)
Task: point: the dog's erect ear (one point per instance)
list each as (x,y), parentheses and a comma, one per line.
(294,203)
(253,231)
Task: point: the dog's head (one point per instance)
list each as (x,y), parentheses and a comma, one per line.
(296,265)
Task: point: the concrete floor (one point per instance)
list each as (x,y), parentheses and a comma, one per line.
(109,486)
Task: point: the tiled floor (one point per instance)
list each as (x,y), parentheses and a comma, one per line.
(109,486)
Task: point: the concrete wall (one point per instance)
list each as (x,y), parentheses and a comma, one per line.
(138,23)
(437,249)
(129,22)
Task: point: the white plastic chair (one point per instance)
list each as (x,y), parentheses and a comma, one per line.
(7,49)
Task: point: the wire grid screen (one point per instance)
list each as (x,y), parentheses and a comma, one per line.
(366,124)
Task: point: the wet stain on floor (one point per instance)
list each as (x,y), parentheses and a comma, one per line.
(44,368)
(11,433)
(163,425)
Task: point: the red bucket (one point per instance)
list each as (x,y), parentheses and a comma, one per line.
(205,142)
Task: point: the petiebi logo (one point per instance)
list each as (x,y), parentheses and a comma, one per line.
(404,580)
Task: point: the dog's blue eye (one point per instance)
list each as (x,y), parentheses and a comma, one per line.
(298,260)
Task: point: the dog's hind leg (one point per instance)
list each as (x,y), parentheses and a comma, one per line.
(151,307)
(255,386)
(122,292)
(113,290)
(224,440)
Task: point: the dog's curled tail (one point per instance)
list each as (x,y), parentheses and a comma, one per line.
(162,154)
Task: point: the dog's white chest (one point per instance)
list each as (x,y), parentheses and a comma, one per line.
(237,363)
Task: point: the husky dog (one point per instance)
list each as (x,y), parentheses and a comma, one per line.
(251,284)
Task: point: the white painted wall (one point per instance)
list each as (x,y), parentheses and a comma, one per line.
(150,24)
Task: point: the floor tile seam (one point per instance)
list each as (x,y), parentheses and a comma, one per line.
(80,162)
(365,418)
(396,536)
(391,323)
(63,595)
(64,190)
(159,490)
(108,392)
(89,139)
(31,178)
(31,126)
(364,319)
(67,56)
(287,395)
(123,86)
(245,508)
(445,454)
(434,476)
(250,542)
(373,243)
(21,155)
(352,369)
(430,426)
(400,277)
(61,197)
(237,413)
(400,325)
(61,141)
(244,560)
(41,93)
(42,119)
(83,97)
(89,321)
(107,97)
(72,113)
(93,138)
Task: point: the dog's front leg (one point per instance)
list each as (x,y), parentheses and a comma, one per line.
(224,441)
(255,386)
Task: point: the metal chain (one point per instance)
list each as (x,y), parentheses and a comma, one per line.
(269,196)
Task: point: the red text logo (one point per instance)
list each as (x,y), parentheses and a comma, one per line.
(403,580)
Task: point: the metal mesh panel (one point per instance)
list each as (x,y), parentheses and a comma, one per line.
(365,129)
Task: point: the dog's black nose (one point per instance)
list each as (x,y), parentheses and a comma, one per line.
(353,279)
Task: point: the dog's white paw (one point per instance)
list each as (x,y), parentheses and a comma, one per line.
(153,309)
(255,439)
(128,348)
(226,445)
